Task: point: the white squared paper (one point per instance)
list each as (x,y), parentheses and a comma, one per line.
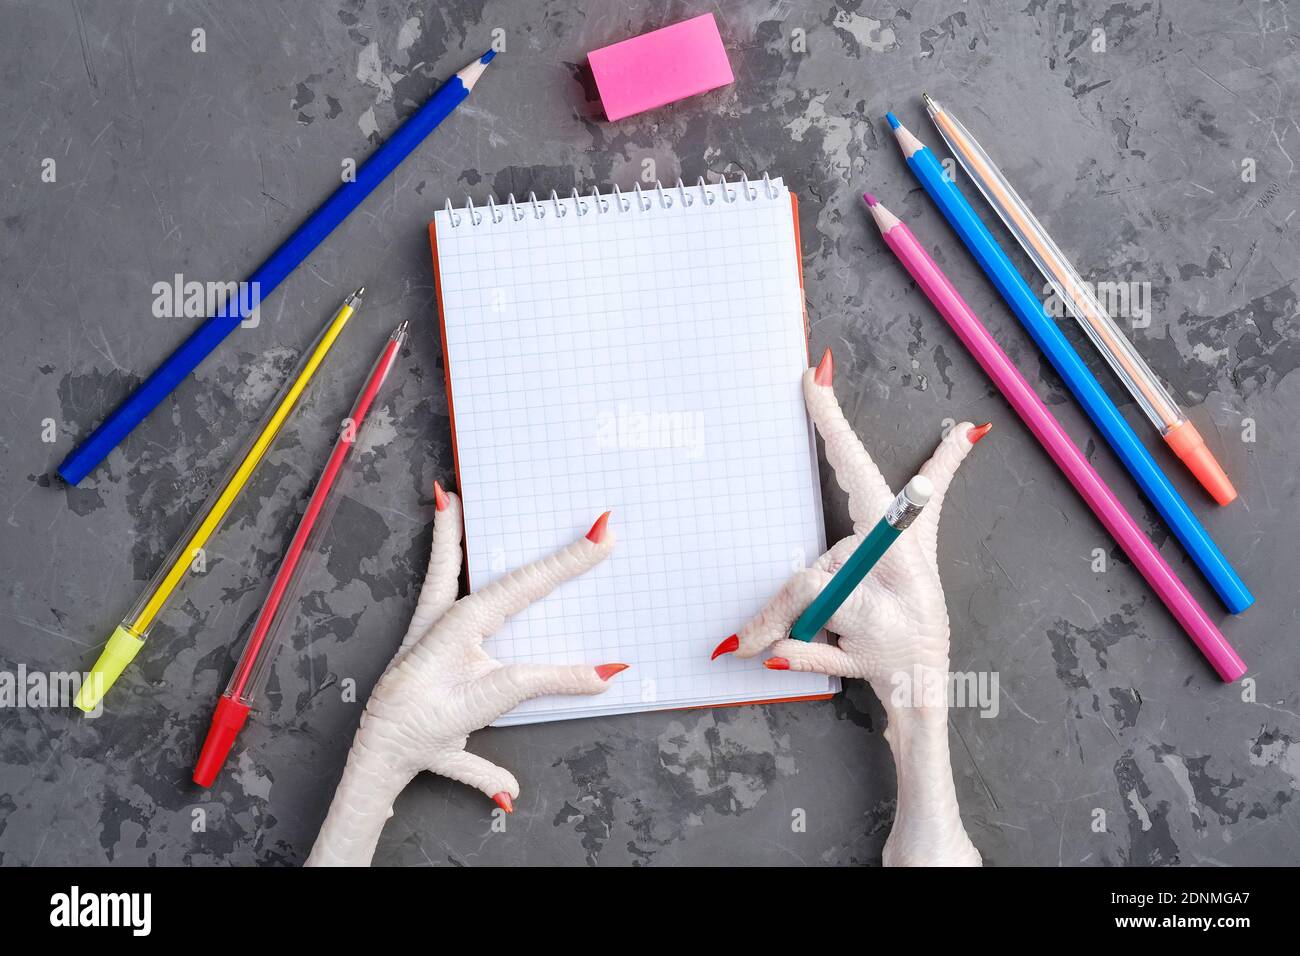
(643,358)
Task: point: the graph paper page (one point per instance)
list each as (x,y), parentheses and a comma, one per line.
(645,361)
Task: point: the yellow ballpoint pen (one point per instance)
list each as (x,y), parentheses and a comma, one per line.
(126,641)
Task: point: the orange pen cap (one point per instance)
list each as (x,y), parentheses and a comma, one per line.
(1188,445)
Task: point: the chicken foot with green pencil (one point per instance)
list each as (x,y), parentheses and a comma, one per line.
(892,627)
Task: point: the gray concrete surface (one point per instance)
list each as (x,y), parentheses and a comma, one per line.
(168,161)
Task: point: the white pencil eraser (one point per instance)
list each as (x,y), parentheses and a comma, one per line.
(919,490)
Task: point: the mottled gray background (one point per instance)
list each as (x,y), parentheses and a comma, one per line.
(174,161)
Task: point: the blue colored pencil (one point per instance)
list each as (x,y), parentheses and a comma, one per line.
(1082,383)
(146,396)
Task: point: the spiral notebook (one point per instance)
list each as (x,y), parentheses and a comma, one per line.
(639,352)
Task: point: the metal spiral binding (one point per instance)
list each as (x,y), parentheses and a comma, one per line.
(615,201)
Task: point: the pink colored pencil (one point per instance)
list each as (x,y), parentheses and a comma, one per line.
(1053,438)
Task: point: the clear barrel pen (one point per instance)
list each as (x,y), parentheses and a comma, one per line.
(279,609)
(1082,302)
(129,637)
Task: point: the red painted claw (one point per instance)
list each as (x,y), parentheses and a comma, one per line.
(440,499)
(726,647)
(597,531)
(777,664)
(978,432)
(825,369)
(504,802)
(606,671)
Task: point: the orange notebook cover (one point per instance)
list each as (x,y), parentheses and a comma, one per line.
(642,353)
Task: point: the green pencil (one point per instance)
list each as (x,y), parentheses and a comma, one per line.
(900,514)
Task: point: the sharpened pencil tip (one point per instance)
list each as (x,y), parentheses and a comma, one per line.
(355,297)
(470,73)
(885,220)
(929,102)
(892,120)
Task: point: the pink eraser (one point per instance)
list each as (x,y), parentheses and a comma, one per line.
(660,67)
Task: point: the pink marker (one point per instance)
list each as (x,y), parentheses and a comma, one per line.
(1052,437)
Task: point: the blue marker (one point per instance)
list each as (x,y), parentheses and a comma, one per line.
(87,456)
(1082,383)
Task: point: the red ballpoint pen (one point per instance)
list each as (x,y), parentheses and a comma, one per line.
(254,667)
